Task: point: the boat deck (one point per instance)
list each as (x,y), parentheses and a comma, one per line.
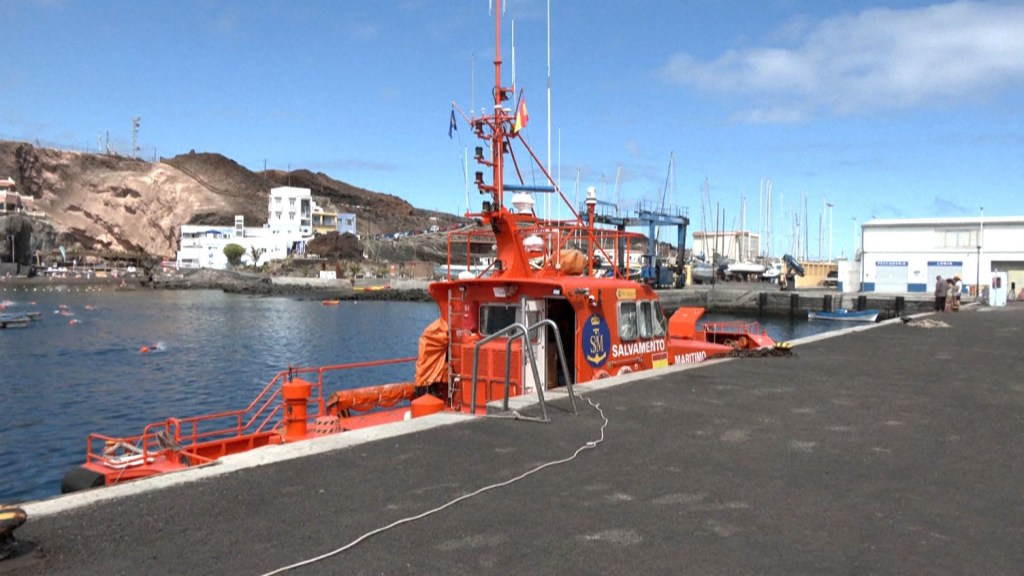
(891,449)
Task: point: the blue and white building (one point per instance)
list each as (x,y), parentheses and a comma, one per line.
(906,255)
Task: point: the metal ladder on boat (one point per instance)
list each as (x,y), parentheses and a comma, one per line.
(523,332)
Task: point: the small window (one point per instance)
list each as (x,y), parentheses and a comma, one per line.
(494,317)
(627,321)
(644,320)
(658,319)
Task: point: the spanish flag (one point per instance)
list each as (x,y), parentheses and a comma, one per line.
(522,116)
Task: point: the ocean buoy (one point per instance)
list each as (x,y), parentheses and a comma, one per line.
(143,349)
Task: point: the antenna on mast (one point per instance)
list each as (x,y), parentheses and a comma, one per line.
(513,55)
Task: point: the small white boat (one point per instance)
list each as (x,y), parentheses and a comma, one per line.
(14,320)
(739,268)
(843,314)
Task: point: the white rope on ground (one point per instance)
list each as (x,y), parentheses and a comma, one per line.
(588,446)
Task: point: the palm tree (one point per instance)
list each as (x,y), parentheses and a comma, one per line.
(256,253)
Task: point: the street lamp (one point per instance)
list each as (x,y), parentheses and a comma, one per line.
(981,231)
(830,206)
(853,253)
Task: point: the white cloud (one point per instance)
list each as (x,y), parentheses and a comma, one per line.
(878,59)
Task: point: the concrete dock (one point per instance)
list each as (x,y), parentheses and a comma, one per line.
(890,449)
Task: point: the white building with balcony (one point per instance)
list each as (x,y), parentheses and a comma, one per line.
(289,226)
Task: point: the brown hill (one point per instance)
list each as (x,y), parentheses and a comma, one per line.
(114,205)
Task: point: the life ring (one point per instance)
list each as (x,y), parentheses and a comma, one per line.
(742,342)
(601,375)
(625,370)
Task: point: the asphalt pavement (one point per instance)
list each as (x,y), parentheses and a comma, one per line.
(890,449)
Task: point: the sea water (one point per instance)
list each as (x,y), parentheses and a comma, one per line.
(80,368)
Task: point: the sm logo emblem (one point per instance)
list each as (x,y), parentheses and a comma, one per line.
(595,341)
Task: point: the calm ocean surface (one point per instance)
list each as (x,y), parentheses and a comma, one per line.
(60,381)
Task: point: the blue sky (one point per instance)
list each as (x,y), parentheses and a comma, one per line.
(883,109)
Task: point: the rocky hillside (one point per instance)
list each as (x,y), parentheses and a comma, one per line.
(103,204)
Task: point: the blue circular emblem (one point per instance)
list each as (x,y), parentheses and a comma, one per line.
(595,341)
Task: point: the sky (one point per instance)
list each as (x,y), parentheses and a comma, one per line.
(881,109)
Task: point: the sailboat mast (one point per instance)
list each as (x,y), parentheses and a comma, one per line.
(744,246)
(548,212)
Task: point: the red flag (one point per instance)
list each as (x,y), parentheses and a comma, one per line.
(522,116)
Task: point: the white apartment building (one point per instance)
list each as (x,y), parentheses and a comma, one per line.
(289,226)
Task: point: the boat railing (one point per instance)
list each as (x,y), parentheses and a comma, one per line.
(732,327)
(187,436)
(611,245)
(561,358)
(512,333)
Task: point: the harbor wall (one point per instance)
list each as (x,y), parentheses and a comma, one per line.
(760,301)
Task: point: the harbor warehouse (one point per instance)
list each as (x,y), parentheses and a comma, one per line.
(906,255)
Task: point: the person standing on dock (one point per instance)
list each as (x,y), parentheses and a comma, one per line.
(950,294)
(940,293)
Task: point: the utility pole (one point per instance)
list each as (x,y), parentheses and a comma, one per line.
(135,136)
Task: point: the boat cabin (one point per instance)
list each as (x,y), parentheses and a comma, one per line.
(606,326)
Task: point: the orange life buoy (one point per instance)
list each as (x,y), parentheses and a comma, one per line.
(742,342)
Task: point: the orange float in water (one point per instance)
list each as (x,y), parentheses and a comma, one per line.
(143,349)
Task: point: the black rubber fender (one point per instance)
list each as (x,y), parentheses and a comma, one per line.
(81,478)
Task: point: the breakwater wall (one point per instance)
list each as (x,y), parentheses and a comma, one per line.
(796,304)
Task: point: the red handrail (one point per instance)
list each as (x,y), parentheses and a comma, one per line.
(261,416)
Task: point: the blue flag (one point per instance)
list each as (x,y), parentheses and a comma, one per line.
(452,125)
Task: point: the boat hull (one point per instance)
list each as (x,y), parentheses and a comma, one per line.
(845,315)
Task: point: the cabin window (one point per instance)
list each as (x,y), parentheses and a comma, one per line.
(644,320)
(494,317)
(627,321)
(658,319)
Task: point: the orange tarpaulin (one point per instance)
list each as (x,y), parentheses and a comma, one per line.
(572,262)
(363,399)
(432,365)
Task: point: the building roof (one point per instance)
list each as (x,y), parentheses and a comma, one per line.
(961,221)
